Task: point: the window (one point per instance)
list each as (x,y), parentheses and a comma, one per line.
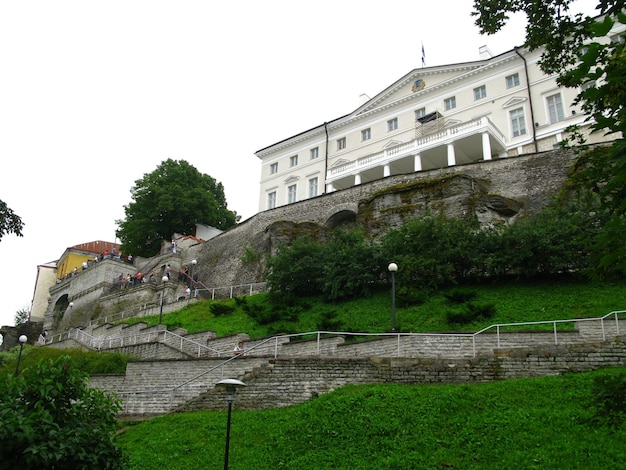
(293,161)
(518,124)
(555,108)
(291,194)
(341,143)
(271,200)
(618,39)
(313,187)
(449,103)
(392,124)
(480,92)
(273,168)
(366,134)
(314,153)
(512,80)
(420,113)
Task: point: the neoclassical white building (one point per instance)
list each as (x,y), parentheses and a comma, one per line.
(433,117)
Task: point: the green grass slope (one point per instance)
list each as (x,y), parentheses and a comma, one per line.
(540,423)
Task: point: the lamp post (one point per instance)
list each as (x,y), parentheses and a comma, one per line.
(22,340)
(192,288)
(231,386)
(164,279)
(393,267)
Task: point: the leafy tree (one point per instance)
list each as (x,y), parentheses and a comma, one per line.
(10,222)
(351,266)
(577,49)
(49,418)
(21,316)
(171,199)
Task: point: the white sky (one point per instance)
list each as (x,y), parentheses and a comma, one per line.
(93,95)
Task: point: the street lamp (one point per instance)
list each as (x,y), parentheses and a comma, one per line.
(164,279)
(192,288)
(22,340)
(393,267)
(231,386)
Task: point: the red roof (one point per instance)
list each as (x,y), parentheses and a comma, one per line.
(98,247)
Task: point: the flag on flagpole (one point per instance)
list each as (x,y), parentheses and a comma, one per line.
(423,56)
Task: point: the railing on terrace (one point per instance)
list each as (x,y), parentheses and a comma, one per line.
(398,151)
(270,346)
(212,292)
(164,336)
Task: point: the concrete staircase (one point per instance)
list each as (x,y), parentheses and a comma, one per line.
(176,370)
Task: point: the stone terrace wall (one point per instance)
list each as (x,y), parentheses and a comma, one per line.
(529,179)
(288,381)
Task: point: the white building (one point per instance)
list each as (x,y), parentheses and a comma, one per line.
(433,117)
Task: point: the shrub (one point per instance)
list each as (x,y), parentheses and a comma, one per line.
(609,392)
(51,419)
(470,313)
(218,309)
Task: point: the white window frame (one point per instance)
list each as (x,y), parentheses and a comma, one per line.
(292,193)
(512,80)
(314,153)
(449,103)
(293,161)
(518,122)
(366,134)
(274,168)
(341,143)
(271,200)
(554,106)
(480,92)
(392,124)
(313,186)
(420,113)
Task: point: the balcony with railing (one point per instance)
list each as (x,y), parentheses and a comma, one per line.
(434,147)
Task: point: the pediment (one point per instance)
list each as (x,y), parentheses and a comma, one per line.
(391,143)
(513,101)
(292,179)
(341,161)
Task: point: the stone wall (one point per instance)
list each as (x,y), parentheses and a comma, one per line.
(499,189)
(288,381)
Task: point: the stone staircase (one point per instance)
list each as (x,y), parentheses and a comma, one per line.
(176,370)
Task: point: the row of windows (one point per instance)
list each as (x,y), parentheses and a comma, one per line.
(292,191)
(481,91)
(554,105)
(293,160)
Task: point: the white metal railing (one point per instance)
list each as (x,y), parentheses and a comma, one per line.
(270,346)
(164,336)
(456,131)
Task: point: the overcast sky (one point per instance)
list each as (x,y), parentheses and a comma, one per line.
(93,95)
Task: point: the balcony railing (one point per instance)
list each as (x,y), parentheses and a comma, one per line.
(415,146)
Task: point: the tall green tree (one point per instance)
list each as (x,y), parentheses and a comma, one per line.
(578,50)
(171,199)
(10,222)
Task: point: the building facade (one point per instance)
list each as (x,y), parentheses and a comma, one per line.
(433,117)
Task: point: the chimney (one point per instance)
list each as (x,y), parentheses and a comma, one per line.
(484,52)
(363,98)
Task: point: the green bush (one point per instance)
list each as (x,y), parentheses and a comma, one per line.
(49,418)
(460,296)
(609,394)
(471,313)
(218,309)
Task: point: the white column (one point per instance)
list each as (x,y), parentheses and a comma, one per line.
(357,179)
(386,170)
(451,156)
(417,163)
(486,146)
(329,188)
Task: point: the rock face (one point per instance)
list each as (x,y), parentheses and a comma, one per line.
(494,191)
